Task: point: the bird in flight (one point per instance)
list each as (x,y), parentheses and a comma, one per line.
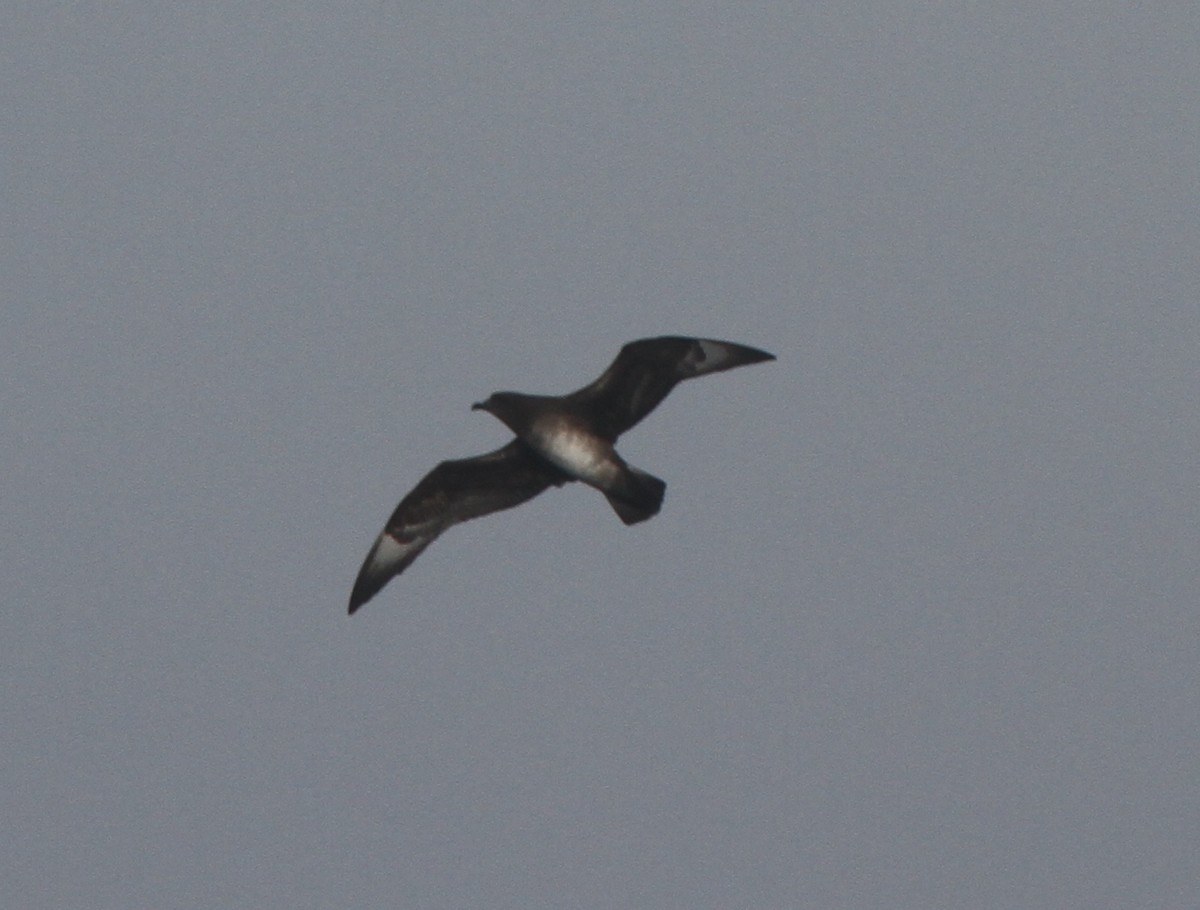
(558,440)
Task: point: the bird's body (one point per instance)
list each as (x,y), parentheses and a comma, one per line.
(558,440)
(574,450)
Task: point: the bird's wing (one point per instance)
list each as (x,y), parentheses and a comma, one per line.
(453,492)
(645,371)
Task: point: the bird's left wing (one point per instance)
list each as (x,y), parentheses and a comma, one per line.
(453,492)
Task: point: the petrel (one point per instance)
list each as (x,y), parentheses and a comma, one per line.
(558,439)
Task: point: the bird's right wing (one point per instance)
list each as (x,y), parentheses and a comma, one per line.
(644,373)
(453,492)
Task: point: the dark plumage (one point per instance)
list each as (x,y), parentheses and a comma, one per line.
(558,439)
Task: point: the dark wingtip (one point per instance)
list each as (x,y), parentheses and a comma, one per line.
(741,355)
(365,587)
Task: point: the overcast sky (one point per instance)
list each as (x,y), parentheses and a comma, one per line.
(917,626)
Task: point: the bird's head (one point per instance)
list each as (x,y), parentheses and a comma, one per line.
(503,406)
(488,404)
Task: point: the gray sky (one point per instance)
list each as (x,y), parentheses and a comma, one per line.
(917,626)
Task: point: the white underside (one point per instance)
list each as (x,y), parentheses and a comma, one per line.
(582,456)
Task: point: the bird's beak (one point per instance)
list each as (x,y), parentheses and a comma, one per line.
(478,406)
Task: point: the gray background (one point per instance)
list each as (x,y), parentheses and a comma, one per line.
(917,626)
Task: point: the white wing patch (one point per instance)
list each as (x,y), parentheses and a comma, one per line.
(389,551)
(715,356)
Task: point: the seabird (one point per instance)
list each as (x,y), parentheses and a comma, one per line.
(558,439)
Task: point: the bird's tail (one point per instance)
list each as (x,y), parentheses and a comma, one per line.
(638,497)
